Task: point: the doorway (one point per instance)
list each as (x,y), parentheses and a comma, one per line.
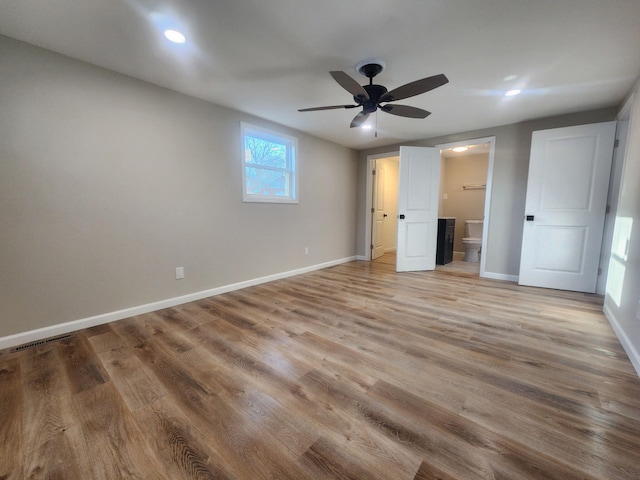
(371,229)
(483,148)
(384,222)
(463,184)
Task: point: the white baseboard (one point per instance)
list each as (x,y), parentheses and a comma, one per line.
(624,340)
(501,276)
(72,326)
(362,258)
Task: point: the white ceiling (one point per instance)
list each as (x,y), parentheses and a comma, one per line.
(270,58)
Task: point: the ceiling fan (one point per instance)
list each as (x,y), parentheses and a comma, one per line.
(371,97)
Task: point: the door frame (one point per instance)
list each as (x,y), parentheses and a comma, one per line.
(371,162)
(613,195)
(487,199)
(487,195)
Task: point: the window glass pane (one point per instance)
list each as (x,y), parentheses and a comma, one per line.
(266,182)
(269,171)
(265,152)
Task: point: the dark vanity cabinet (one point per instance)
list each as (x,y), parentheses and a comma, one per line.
(446,232)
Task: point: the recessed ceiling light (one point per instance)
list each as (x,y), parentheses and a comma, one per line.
(513,93)
(366,127)
(508,78)
(460,149)
(174,36)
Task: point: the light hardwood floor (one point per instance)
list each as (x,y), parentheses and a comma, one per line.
(456,266)
(352,372)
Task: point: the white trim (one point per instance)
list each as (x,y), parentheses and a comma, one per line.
(487,195)
(67,327)
(292,162)
(613,197)
(362,258)
(501,276)
(624,340)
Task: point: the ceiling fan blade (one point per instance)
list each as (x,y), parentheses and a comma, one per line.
(415,88)
(405,111)
(331,107)
(350,85)
(359,119)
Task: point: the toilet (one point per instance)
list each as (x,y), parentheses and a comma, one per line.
(472,240)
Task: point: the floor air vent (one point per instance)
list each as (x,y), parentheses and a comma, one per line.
(40,342)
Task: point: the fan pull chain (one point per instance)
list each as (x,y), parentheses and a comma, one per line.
(375,135)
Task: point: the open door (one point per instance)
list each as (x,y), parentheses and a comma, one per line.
(377,222)
(418,192)
(565,206)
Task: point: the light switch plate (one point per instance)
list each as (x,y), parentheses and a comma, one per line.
(179,273)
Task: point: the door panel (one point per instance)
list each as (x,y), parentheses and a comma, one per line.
(415,244)
(418,203)
(565,206)
(551,258)
(568,162)
(419,190)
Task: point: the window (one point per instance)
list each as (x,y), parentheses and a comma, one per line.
(269,172)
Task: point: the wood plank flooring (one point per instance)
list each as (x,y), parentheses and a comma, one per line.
(352,372)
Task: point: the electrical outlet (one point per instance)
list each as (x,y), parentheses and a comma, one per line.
(179,273)
(445,196)
(306,250)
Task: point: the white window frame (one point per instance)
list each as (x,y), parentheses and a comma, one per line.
(291,143)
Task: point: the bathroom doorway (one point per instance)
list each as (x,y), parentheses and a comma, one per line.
(463,183)
(476,177)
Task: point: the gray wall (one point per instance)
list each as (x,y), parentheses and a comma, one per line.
(511,165)
(622,299)
(108,183)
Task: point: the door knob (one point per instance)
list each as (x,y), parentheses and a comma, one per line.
(401,216)
(384,215)
(529,218)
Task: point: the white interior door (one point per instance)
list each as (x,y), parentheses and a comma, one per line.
(418,190)
(377,224)
(565,206)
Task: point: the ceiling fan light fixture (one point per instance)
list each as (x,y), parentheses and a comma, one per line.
(460,149)
(513,93)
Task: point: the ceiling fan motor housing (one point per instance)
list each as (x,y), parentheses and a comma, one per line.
(374,92)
